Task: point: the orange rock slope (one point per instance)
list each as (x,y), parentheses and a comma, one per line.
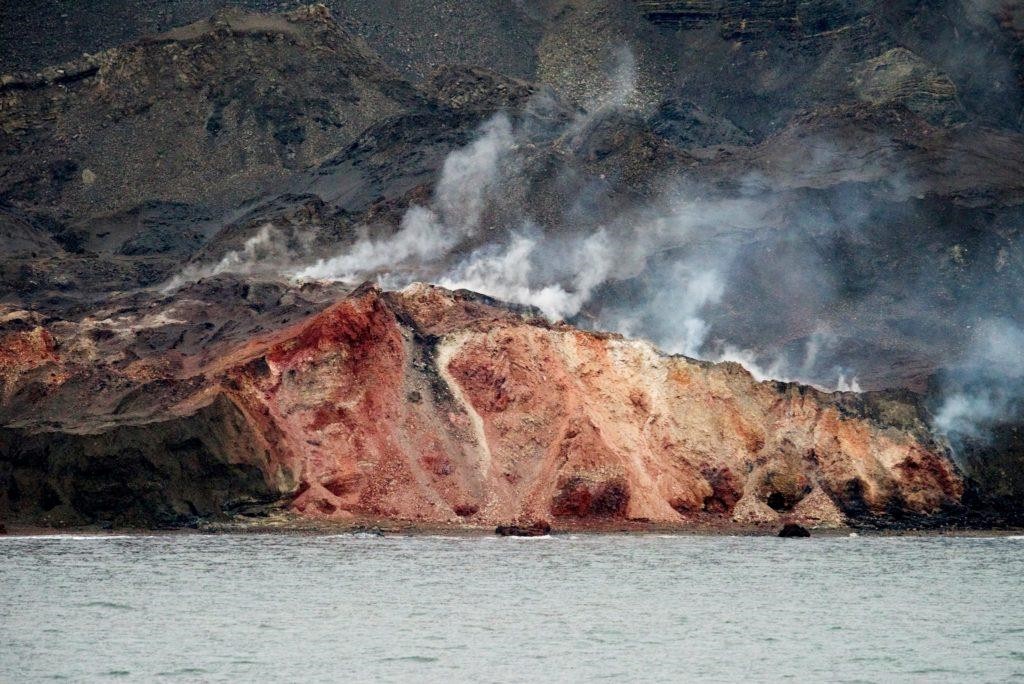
(429,405)
(434,406)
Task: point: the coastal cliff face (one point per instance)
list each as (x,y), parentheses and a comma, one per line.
(434,406)
(825,189)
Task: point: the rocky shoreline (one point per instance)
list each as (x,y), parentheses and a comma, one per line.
(379,527)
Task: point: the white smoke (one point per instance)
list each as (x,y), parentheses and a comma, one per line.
(761,370)
(680,246)
(508,271)
(686,289)
(266,251)
(844,385)
(561,274)
(988,385)
(507,275)
(697,289)
(805,371)
(468,179)
(622,82)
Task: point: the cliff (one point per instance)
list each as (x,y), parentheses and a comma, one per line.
(433,406)
(826,189)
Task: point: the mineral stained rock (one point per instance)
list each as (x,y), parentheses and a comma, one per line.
(438,407)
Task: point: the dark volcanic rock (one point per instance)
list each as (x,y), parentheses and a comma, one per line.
(462,87)
(205,113)
(536,529)
(687,125)
(157,474)
(794,530)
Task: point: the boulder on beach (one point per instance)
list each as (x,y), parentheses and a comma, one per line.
(536,529)
(794,530)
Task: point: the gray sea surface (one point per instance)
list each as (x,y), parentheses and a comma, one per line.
(295,608)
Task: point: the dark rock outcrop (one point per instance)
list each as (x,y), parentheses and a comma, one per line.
(165,473)
(539,528)
(204,114)
(792,530)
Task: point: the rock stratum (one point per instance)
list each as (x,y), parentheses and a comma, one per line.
(432,406)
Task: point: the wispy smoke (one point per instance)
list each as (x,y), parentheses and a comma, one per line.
(792,238)
(679,247)
(508,274)
(671,267)
(674,316)
(805,370)
(265,252)
(987,387)
(426,234)
(622,82)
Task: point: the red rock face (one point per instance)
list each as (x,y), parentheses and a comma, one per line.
(498,418)
(432,406)
(21,352)
(354,421)
(585,426)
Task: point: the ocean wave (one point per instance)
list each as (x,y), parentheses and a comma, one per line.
(68,537)
(543,536)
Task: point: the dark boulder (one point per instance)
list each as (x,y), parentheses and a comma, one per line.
(536,529)
(794,530)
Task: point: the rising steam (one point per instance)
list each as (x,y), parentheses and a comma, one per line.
(682,244)
(987,386)
(263,253)
(426,234)
(670,268)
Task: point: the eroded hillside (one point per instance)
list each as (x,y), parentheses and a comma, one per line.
(440,407)
(830,193)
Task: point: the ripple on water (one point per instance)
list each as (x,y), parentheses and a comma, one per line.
(409,659)
(68,537)
(182,672)
(105,604)
(719,608)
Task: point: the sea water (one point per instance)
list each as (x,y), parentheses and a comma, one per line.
(564,608)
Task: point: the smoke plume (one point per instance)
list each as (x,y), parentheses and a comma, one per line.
(987,386)
(265,253)
(678,248)
(769,269)
(468,178)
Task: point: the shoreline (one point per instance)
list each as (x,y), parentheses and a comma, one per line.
(391,527)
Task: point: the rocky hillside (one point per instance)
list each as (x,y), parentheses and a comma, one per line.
(206,114)
(830,192)
(438,407)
